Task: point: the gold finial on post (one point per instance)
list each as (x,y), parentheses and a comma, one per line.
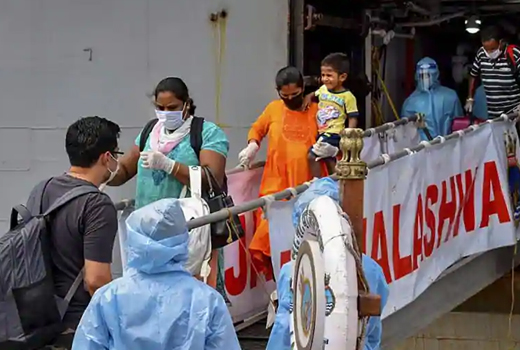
(351,166)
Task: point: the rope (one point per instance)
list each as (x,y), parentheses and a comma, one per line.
(353,248)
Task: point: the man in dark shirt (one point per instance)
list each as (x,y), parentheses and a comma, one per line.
(83,231)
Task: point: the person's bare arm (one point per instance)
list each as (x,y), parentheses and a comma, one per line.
(473,75)
(96,275)
(100,223)
(215,161)
(127,167)
(471,86)
(352,122)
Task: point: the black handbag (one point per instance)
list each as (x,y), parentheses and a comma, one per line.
(227,231)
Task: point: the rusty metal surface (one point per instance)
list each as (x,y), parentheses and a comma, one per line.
(251,337)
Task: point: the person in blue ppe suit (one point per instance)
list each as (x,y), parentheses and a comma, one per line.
(438,103)
(158,304)
(280,338)
(480,104)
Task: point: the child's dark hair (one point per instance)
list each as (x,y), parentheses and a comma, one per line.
(177,87)
(338,61)
(288,75)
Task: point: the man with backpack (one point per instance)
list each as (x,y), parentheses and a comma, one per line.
(63,244)
(497,64)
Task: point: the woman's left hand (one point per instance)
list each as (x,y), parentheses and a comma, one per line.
(157,160)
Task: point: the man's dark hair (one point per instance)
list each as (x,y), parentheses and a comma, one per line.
(338,61)
(491,33)
(288,75)
(88,138)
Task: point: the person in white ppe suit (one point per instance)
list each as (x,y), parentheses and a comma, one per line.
(158,304)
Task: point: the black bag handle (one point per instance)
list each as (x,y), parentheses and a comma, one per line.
(214,185)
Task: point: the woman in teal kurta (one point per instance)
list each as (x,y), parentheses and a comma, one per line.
(162,168)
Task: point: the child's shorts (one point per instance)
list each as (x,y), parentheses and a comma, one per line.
(331,139)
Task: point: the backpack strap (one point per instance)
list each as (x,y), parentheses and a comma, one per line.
(146,132)
(510,58)
(64,305)
(197,124)
(70,195)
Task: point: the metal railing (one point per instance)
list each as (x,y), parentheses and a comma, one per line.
(290,192)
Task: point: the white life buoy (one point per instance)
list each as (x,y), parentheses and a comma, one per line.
(324,280)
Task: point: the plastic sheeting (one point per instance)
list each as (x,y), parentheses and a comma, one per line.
(157,304)
(280,335)
(438,103)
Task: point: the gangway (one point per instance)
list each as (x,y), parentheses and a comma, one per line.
(455,285)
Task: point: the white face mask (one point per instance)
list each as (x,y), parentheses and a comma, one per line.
(172,119)
(494,54)
(112,174)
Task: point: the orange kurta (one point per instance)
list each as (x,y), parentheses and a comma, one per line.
(290,135)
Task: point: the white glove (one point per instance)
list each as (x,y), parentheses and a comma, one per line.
(157,160)
(468,107)
(247,155)
(324,150)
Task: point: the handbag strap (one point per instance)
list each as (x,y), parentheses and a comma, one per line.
(195,181)
(214,186)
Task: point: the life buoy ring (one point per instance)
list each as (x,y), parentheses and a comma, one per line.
(324,313)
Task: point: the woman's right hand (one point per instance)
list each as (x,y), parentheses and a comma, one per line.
(247,155)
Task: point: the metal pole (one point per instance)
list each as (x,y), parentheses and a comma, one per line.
(351,172)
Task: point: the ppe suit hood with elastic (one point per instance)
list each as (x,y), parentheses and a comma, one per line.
(157,238)
(156,304)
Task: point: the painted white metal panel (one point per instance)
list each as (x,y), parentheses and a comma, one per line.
(47,80)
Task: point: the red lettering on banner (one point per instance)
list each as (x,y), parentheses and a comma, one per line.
(418,234)
(432,196)
(447,209)
(451,202)
(285,257)
(466,202)
(379,245)
(402,264)
(493,201)
(236,284)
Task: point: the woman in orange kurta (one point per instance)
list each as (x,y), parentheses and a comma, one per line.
(290,127)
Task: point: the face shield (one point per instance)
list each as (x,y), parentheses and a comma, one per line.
(426,75)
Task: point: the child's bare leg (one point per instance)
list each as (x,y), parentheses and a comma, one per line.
(314,166)
(331,165)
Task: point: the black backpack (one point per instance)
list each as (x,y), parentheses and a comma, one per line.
(30,313)
(197,124)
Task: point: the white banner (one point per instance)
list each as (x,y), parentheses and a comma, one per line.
(426,211)
(247,293)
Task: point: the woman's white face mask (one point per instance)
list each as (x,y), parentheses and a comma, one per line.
(172,119)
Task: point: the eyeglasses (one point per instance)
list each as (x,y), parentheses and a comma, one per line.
(116,154)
